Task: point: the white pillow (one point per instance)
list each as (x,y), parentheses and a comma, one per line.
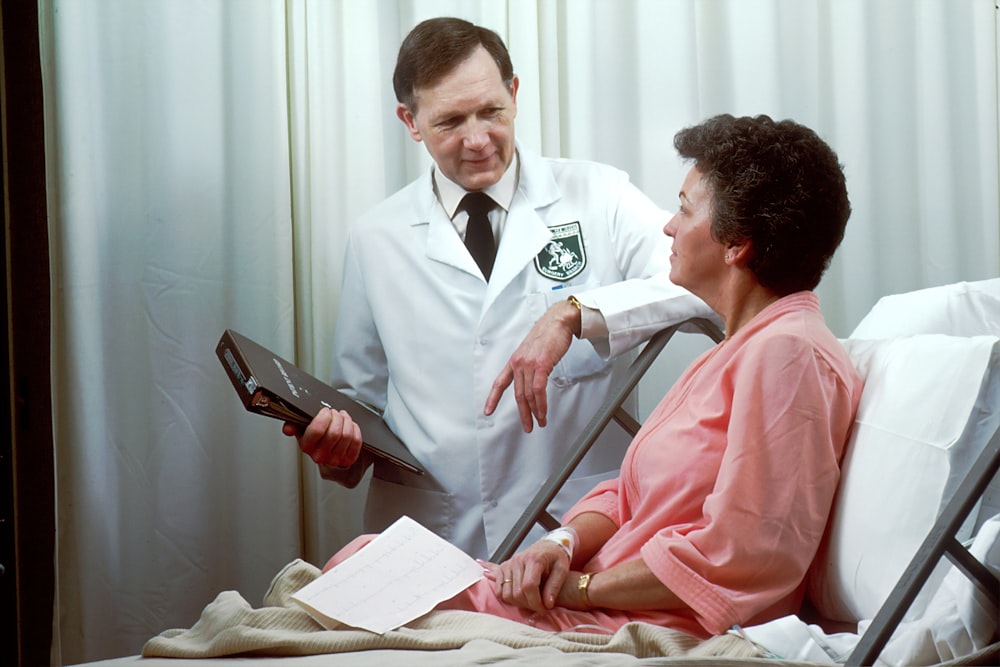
(929,406)
(959,309)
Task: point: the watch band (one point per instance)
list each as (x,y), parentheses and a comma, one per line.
(582,584)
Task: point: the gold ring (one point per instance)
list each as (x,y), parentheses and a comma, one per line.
(506,581)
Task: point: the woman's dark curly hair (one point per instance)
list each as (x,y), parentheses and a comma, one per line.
(777,185)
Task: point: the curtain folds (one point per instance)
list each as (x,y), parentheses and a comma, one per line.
(170,221)
(206,157)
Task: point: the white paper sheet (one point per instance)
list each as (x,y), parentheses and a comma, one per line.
(400,575)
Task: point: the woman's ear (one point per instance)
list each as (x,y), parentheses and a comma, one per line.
(738,253)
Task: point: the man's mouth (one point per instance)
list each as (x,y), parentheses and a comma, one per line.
(479,161)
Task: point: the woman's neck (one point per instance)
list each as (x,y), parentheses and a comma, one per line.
(742,301)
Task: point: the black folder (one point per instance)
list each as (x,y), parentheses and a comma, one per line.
(275,387)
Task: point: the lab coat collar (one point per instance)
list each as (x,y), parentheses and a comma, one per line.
(536,181)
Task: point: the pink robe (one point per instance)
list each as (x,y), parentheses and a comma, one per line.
(725,491)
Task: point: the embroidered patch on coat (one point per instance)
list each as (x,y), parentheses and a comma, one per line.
(564,256)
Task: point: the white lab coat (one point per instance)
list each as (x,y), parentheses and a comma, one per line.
(421,336)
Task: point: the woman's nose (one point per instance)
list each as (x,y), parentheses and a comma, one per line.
(668,228)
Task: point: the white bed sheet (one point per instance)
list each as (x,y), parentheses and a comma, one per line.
(479,652)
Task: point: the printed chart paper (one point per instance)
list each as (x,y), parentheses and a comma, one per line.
(399,576)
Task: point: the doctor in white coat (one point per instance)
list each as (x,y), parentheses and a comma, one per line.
(425,338)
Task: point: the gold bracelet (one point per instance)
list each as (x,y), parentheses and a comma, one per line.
(576,302)
(582,584)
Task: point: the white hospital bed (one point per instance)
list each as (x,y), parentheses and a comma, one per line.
(919,479)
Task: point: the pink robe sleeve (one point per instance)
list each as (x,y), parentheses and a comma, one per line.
(603,499)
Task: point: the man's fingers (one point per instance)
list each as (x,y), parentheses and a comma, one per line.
(540,406)
(332,438)
(532,399)
(524,404)
(524,407)
(500,385)
(342,440)
(319,425)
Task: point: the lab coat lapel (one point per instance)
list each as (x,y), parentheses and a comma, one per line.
(526,231)
(523,238)
(443,243)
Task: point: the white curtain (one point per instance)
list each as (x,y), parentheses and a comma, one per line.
(206,156)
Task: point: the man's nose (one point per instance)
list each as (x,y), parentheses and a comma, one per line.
(476,134)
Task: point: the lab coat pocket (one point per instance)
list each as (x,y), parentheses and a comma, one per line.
(581,360)
(387,501)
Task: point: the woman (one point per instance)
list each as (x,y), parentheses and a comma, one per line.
(724,493)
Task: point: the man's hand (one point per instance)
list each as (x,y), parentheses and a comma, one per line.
(532,363)
(331,438)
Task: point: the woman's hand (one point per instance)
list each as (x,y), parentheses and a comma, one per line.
(533,578)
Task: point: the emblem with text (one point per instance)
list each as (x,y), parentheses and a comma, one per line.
(564,256)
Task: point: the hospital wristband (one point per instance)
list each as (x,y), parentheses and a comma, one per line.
(566,538)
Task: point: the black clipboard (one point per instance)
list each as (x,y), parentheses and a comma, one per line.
(272,386)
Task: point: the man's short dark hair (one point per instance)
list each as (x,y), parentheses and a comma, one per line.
(435,47)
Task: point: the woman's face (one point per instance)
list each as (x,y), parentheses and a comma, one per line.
(697,261)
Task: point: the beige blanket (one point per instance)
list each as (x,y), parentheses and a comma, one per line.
(231,626)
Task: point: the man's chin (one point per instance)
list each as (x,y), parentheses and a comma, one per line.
(479,181)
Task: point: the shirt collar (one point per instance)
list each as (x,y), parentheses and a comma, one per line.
(450,193)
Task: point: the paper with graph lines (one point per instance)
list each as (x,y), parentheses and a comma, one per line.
(400,575)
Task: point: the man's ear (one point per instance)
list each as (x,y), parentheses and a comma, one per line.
(409,120)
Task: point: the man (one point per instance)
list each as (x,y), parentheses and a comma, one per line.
(424,329)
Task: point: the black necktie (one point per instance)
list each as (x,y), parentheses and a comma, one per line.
(479,233)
